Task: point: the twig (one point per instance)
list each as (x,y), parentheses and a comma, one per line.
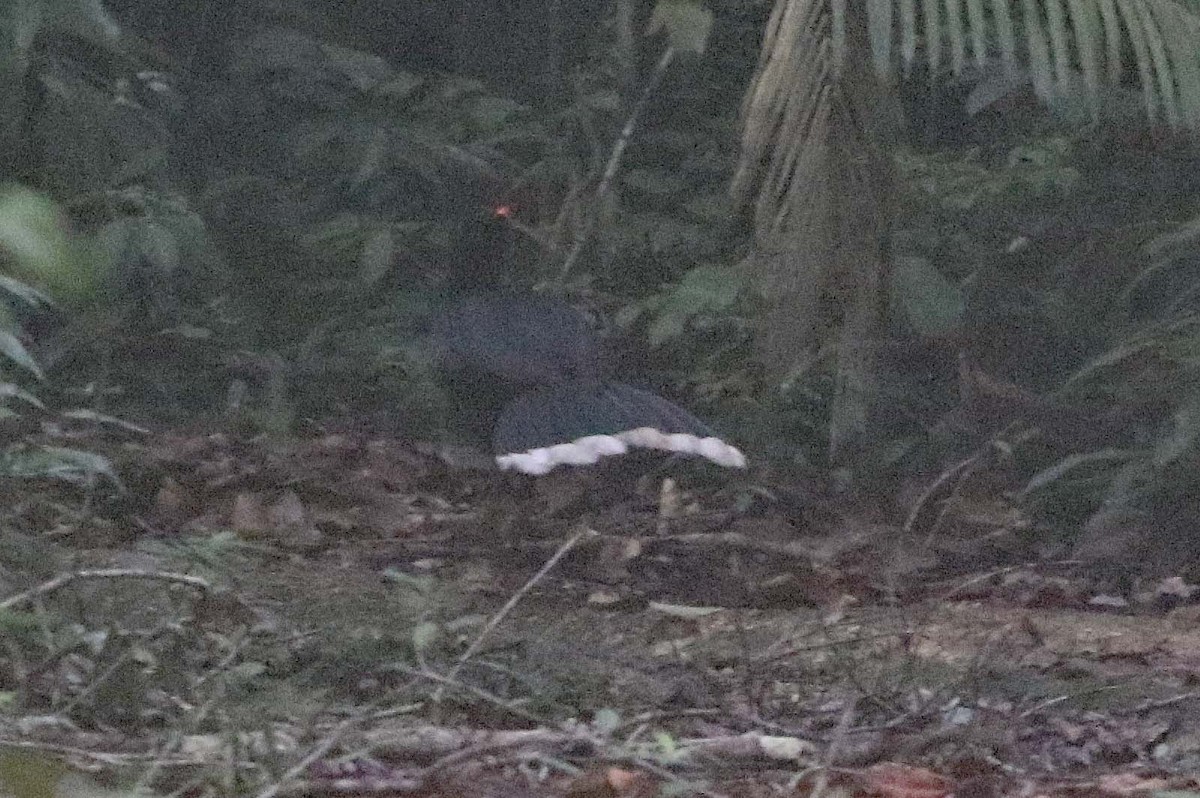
(484,695)
(321,749)
(62,580)
(836,740)
(1050,702)
(933,487)
(614,159)
(357,787)
(961,471)
(109,758)
(195,719)
(1165,702)
(508,607)
(737,541)
(491,746)
(683,786)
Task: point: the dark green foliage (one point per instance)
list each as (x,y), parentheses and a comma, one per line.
(1087,303)
(327,193)
(266,238)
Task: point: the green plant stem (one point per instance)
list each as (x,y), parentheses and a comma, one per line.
(614,160)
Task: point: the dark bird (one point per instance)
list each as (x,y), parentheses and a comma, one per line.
(562,406)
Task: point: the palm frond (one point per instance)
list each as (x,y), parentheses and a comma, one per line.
(1070,49)
(809,167)
(818,260)
(785,163)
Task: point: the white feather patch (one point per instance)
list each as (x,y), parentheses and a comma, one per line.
(589,450)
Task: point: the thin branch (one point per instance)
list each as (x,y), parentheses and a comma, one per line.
(509,605)
(508,706)
(312,757)
(614,160)
(62,580)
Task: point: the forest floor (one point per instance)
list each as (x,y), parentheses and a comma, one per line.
(348,616)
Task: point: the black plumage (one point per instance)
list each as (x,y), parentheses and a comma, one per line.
(563,406)
(525,338)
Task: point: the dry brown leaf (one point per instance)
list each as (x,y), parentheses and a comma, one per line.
(170,504)
(1130,784)
(287,511)
(248,513)
(612,782)
(893,780)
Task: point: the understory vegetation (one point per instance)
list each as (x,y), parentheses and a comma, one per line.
(244,550)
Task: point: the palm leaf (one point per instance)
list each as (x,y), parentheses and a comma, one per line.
(1072,49)
(1039,49)
(1181,30)
(785,155)
(882,29)
(1056,26)
(1086,28)
(908,33)
(957,36)
(977,27)
(931,13)
(810,154)
(1005,36)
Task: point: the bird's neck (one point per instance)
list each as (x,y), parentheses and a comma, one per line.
(490,255)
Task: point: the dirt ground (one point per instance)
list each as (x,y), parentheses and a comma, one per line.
(348,616)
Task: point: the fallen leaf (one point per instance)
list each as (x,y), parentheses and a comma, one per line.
(248,513)
(1129,784)
(893,780)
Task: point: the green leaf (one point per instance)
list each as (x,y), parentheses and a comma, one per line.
(424,636)
(87,414)
(704,289)
(30,775)
(627,315)
(16,352)
(1047,477)
(54,462)
(37,244)
(606,721)
(373,159)
(654,182)
(685,22)
(376,257)
(1122,353)
(708,288)
(25,293)
(603,100)
(932,304)
(675,236)
(71,464)
(18,622)
(666,327)
(87,19)
(709,207)
(158,246)
(400,86)
(141,167)
(188,332)
(420,585)
(248,671)
(1182,435)
(115,238)
(491,113)
(10,390)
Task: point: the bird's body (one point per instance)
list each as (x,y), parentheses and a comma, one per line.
(521,337)
(567,409)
